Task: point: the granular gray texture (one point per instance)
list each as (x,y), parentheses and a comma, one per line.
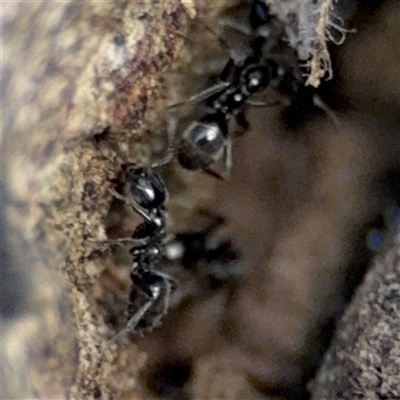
(364,359)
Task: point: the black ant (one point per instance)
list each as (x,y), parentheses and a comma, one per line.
(151,290)
(214,261)
(152,247)
(206,140)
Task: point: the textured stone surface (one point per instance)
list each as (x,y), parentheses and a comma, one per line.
(74,71)
(363,361)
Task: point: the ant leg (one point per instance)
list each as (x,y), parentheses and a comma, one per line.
(131,203)
(226,72)
(256,103)
(103,245)
(233,54)
(138,316)
(165,160)
(150,296)
(130,326)
(210,91)
(126,241)
(228,158)
(215,174)
(227,161)
(215,220)
(149,299)
(171,132)
(237,26)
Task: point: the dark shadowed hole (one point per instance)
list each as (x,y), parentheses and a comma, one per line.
(285,392)
(97,393)
(101,136)
(169,378)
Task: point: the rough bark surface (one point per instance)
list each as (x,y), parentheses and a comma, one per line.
(77,82)
(363,361)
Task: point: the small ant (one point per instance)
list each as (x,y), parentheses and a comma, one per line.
(152,247)
(151,290)
(270,63)
(207,140)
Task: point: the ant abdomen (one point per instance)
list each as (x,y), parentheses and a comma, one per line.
(150,295)
(203,142)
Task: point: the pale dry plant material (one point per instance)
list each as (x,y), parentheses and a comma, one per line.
(308,26)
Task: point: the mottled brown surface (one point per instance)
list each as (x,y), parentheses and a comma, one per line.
(74,70)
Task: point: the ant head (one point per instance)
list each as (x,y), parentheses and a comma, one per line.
(145,186)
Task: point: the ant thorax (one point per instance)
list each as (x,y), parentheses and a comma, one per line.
(251,79)
(150,300)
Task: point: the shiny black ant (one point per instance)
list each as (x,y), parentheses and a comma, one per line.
(214,261)
(150,292)
(207,140)
(152,247)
